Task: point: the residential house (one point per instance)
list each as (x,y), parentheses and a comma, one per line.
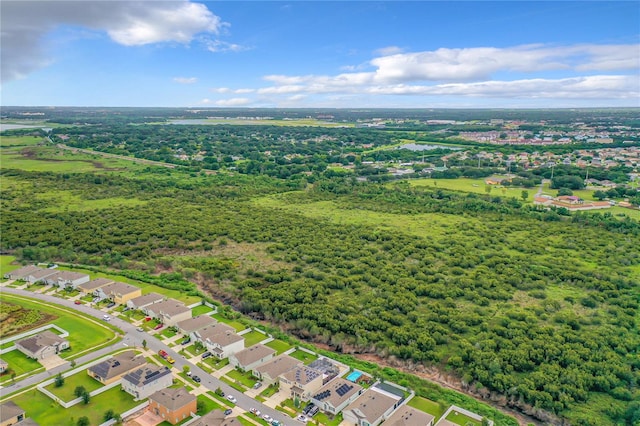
(118,292)
(445,422)
(4,366)
(90,287)
(20,273)
(146,380)
(336,395)
(409,416)
(11,413)
(113,369)
(42,345)
(145,300)
(191,325)
(272,370)
(216,418)
(249,358)
(301,382)
(38,275)
(220,339)
(67,279)
(169,312)
(371,408)
(173,405)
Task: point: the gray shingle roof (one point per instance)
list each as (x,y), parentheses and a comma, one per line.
(172,399)
(147,374)
(9,410)
(117,365)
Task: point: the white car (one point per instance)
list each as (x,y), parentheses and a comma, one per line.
(232,398)
(267,418)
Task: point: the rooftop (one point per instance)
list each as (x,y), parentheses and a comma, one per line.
(302,375)
(337,391)
(409,416)
(254,353)
(194,324)
(172,399)
(278,366)
(95,284)
(170,307)
(119,288)
(41,340)
(117,365)
(147,374)
(220,334)
(146,299)
(371,405)
(9,410)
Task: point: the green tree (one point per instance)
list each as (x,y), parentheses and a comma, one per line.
(86,397)
(108,415)
(186,369)
(564,191)
(600,195)
(524,195)
(79,391)
(58,381)
(83,421)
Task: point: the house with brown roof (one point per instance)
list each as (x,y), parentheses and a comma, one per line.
(42,345)
(249,358)
(11,413)
(145,300)
(191,325)
(371,408)
(113,369)
(409,416)
(38,275)
(20,273)
(301,382)
(216,418)
(336,395)
(270,372)
(91,286)
(146,380)
(220,339)
(169,312)
(173,405)
(118,292)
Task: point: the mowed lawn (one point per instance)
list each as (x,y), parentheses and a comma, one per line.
(279,346)
(46,412)
(6,265)
(428,406)
(84,333)
(66,391)
(20,140)
(253,337)
(476,186)
(19,364)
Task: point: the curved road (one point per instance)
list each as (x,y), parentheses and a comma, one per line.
(132,337)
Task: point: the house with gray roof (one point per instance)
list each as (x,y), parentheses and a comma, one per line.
(113,369)
(145,300)
(20,273)
(42,345)
(67,279)
(216,418)
(272,370)
(91,286)
(38,275)
(146,380)
(220,339)
(371,408)
(173,405)
(169,312)
(409,416)
(191,325)
(249,358)
(336,395)
(11,413)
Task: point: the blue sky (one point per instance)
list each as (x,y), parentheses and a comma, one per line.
(321,54)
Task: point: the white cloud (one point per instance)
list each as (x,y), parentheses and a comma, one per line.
(223,46)
(185,80)
(233,102)
(130,23)
(389,50)
(242,91)
(221,90)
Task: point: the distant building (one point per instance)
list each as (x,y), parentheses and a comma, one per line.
(91,286)
(145,300)
(42,345)
(169,312)
(65,279)
(20,273)
(118,292)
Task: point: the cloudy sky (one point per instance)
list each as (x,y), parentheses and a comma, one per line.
(320,54)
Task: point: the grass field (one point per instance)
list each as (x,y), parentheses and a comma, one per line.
(462,420)
(209,404)
(235,324)
(65,392)
(63,201)
(252,338)
(303,356)
(20,140)
(426,405)
(84,333)
(246,379)
(19,364)
(476,186)
(46,412)
(287,123)
(6,266)
(200,310)
(279,346)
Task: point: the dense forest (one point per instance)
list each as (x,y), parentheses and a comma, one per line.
(535,309)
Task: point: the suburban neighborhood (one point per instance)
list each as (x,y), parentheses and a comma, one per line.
(176,362)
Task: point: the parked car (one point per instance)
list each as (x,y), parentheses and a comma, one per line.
(257,385)
(111,305)
(106,317)
(206,355)
(196,379)
(254,411)
(158,327)
(77,302)
(163,353)
(267,417)
(170,360)
(186,341)
(139,329)
(227,412)
(302,418)
(147,319)
(275,423)
(232,398)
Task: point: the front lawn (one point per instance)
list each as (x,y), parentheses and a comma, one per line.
(246,378)
(46,412)
(209,405)
(168,332)
(201,310)
(195,351)
(253,337)
(462,420)
(65,392)
(216,363)
(426,405)
(269,391)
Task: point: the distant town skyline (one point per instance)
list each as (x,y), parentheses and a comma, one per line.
(303,54)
